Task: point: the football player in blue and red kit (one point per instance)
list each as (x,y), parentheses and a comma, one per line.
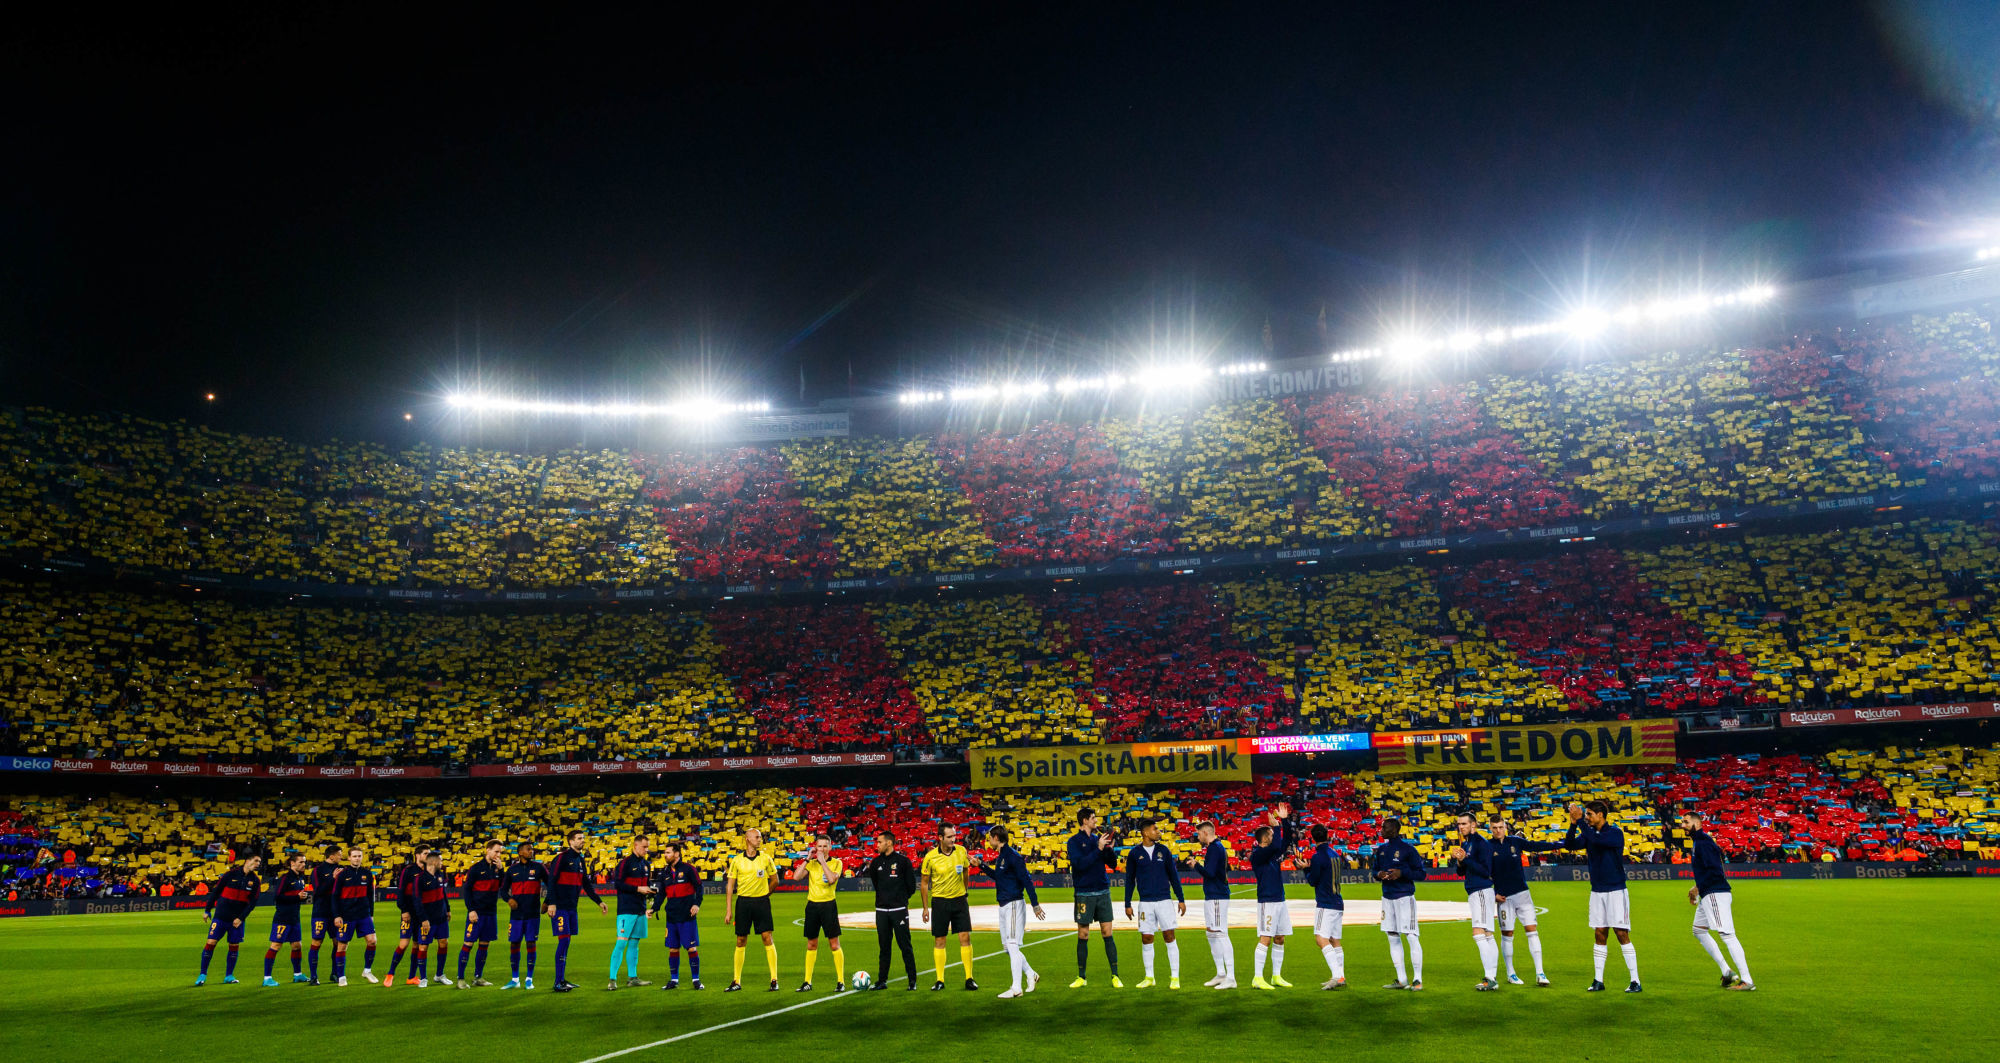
(569,875)
(677,894)
(405,888)
(525,880)
(235,895)
(323,874)
(354,914)
(482,912)
(434,918)
(287,893)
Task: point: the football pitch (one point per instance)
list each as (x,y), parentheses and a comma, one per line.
(1846,969)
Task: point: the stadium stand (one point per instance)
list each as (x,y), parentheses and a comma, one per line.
(888,506)
(1054,492)
(735,515)
(991,671)
(817,677)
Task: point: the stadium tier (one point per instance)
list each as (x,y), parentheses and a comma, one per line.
(1842,415)
(1886,804)
(1899,614)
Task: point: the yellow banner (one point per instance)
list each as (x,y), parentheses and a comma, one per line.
(1551,747)
(1138,764)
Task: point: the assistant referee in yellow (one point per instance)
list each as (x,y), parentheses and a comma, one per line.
(746,901)
(943,888)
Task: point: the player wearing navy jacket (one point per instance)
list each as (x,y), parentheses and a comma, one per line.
(354,913)
(569,876)
(405,888)
(1591,829)
(1214,869)
(1510,893)
(434,918)
(287,894)
(526,878)
(1712,899)
(1274,915)
(1151,868)
(482,912)
(235,895)
(1090,858)
(1475,864)
(677,897)
(633,881)
(1399,868)
(1329,909)
(1013,892)
(323,874)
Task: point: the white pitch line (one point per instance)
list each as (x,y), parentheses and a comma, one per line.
(1063,936)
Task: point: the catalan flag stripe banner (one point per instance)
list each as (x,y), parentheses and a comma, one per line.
(1578,745)
(1141,764)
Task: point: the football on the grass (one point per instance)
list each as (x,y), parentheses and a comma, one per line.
(862,981)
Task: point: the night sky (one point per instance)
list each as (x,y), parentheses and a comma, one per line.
(328,222)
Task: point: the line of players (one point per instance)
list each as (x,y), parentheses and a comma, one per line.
(342,899)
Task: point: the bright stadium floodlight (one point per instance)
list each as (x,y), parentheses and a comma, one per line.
(1464,340)
(1407,347)
(974,394)
(1241,368)
(1986,253)
(1161,377)
(1586,323)
(704,409)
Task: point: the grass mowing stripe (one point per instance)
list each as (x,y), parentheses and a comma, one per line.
(1065,935)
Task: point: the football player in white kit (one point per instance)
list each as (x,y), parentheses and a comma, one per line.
(1517,905)
(1213,865)
(1713,908)
(1152,870)
(1475,864)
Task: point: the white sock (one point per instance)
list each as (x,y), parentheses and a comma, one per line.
(1339,961)
(1174,960)
(1488,954)
(1015,961)
(1631,960)
(1507,953)
(1736,953)
(1597,955)
(1396,955)
(1146,956)
(1257,960)
(1326,953)
(1277,958)
(1714,950)
(1535,949)
(1416,957)
(1215,954)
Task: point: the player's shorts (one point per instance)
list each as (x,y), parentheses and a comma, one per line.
(322,925)
(440,929)
(753,916)
(1157,916)
(823,917)
(487,928)
(1484,909)
(1274,919)
(1611,909)
(285,933)
(220,930)
(632,927)
(1326,922)
(951,915)
(519,930)
(685,934)
(1712,912)
(563,923)
(1013,922)
(1093,908)
(406,925)
(362,927)
(1517,910)
(1215,913)
(1399,915)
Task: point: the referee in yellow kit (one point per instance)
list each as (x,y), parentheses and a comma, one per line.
(746,901)
(943,887)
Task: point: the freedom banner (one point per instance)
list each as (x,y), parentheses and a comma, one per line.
(1137,764)
(1549,747)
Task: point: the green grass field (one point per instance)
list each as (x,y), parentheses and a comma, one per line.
(1869,969)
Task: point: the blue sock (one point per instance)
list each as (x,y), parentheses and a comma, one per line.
(367,959)
(562,958)
(694,965)
(270,957)
(478,963)
(229,965)
(417,965)
(295,959)
(396,958)
(673,965)
(207,954)
(514,958)
(339,968)
(531,959)
(312,961)
(464,953)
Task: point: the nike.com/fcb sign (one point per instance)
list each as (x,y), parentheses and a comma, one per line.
(1555,746)
(1115,765)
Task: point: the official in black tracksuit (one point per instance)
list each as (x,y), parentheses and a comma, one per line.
(895,878)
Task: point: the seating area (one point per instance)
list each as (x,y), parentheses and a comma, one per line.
(888,507)
(1898,804)
(817,677)
(991,671)
(736,516)
(1054,493)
